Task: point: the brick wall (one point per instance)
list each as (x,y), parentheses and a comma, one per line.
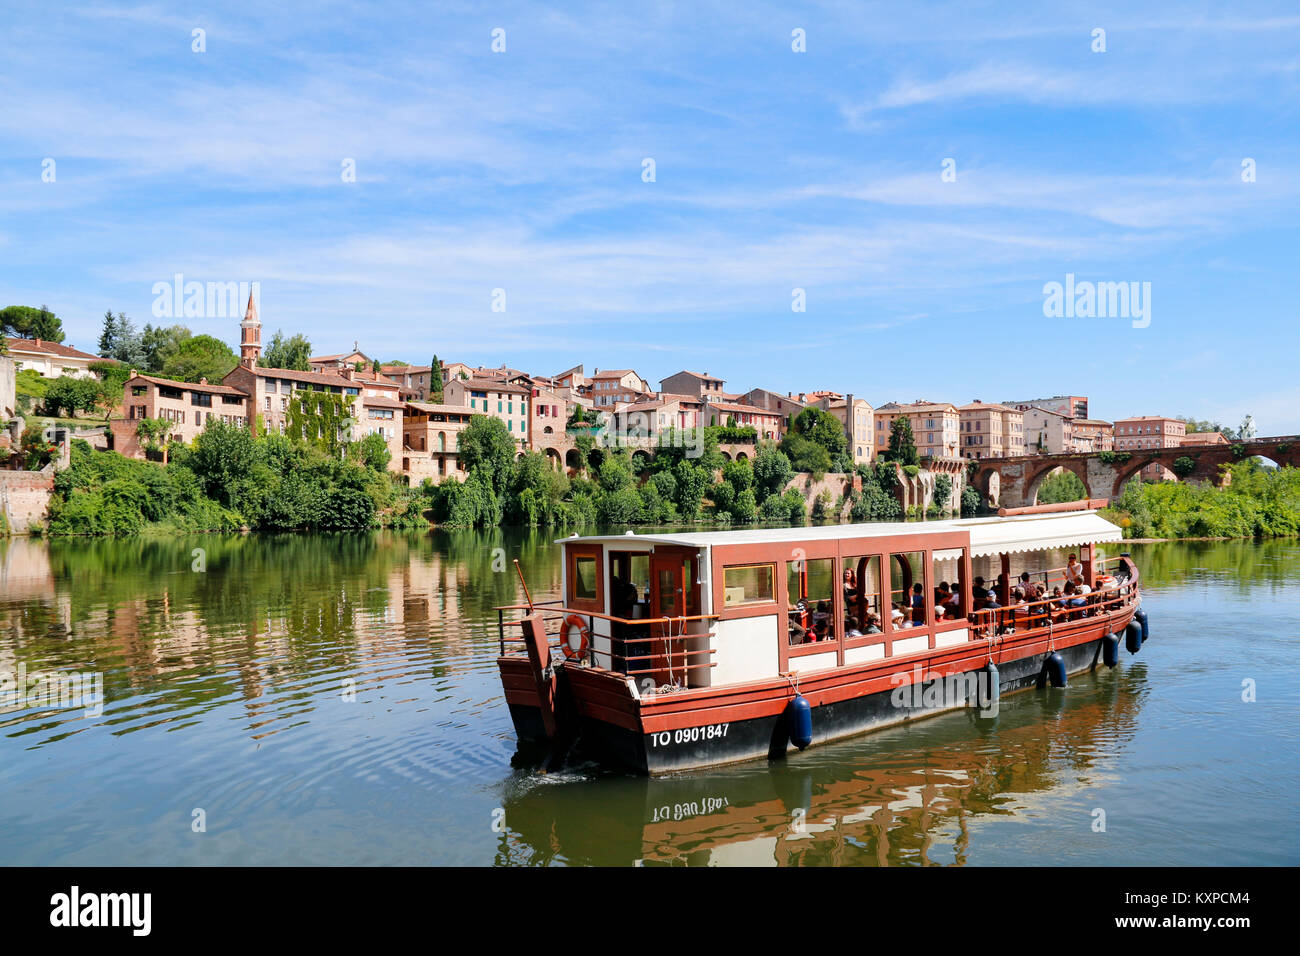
(25,498)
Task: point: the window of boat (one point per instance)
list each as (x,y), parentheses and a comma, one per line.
(948,572)
(862,594)
(810,586)
(908,591)
(748,584)
(584,581)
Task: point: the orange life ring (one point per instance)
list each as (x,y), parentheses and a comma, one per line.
(584,637)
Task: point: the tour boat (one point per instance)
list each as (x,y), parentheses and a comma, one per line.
(676,651)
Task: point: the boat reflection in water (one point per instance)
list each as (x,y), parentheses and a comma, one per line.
(911,795)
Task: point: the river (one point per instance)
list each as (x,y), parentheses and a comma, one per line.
(334,700)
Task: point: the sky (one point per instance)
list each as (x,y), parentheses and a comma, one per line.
(921,172)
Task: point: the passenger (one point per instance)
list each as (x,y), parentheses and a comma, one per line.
(979,593)
(850,587)
(918,604)
(1074,571)
(822,617)
(1028,588)
(797,634)
(952,605)
(851,627)
(873,623)
(897,618)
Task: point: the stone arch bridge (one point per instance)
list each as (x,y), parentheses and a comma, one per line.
(1014,482)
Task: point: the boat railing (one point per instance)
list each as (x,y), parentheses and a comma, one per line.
(1050,611)
(627,654)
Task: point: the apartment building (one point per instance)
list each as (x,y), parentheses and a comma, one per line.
(936,427)
(1068,406)
(495,397)
(614,386)
(701,385)
(431,440)
(766,423)
(787,406)
(188,406)
(413,381)
(1151,431)
(991,430)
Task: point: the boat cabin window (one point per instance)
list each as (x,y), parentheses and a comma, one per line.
(584,578)
(862,595)
(810,587)
(908,591)
(748,584)
(948,572)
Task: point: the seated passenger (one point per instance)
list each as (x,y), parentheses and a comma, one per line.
(873,623)
(979,593)
(897,618)
(851,627)
(918,604)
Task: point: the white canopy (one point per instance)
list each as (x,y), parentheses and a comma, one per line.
(1033,532)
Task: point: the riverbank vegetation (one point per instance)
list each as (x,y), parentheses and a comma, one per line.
(227,480)
(1257,502)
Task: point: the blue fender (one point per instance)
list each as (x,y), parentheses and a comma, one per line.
(798,716)
(1133,637)
(1110,650)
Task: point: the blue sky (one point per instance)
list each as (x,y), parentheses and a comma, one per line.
(775,170)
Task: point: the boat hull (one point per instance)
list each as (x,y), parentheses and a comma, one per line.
(768,736)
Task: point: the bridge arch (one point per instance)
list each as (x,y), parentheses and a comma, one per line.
(1079,467)
(553,458)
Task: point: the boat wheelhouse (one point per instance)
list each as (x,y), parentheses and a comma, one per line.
(673,651)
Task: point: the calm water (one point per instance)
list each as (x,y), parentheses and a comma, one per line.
(333,700)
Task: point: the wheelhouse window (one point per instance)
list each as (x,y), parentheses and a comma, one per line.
(749,584)
(907,589)
(862,596)
(810,587)
(584,580)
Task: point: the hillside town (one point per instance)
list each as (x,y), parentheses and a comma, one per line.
(420,413)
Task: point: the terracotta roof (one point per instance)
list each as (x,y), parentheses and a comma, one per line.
(380,401)
(747,409)
(985,406)
(703,376)
(489,384)
(46,347)
(188,386)
(443,409)
(293,375)
(613,373)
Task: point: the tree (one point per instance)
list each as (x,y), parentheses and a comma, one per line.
(292,352)
(902,445)
(805,454)
(24,322)
(200,356)
(372,452)
(771,470)
(73,394)
(487,446)
(821,427)
(435,380)
(156,344)
(108,335)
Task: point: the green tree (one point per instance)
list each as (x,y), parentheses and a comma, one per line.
(200,356)
(487,446)
(155,344)
(902,444)
(292,352)
(435,380)
(25,322)
(821,428)
(73,394)
(772,469)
